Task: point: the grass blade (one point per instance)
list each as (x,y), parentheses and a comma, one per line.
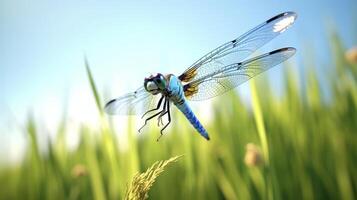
(93,87)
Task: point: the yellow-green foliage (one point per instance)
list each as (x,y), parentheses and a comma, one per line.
(301,145)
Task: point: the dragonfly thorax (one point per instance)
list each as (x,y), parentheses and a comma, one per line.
(155,84)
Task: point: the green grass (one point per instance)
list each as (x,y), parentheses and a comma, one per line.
(309,144)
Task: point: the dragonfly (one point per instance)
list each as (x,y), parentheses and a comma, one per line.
(217,72)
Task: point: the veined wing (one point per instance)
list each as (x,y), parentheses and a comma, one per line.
(239,48)
(230,76)
(130,104)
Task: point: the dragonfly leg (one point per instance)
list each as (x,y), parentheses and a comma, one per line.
(159,119)
(149,118)
(169,118)
(164,112)
(157,107)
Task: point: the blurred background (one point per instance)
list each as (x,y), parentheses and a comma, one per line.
(289,133)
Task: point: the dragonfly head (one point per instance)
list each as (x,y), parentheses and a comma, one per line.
(155,84)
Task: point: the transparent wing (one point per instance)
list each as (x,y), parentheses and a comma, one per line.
(134,103)
(240,48)
(230,76)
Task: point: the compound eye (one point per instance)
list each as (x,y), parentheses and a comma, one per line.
(151,86)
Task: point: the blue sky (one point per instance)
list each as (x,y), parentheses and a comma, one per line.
(43,43)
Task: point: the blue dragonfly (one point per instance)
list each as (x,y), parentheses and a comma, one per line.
(217,72)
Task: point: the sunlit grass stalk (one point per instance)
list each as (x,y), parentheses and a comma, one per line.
(133,161)
(94,168)
(93,87)
(258,116)
(107,137)
(34,158)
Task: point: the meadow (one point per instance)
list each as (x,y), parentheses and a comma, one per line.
(305,147)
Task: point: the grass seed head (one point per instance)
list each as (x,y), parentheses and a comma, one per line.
(79,170)
(141,183)
(351,55)
(253,156)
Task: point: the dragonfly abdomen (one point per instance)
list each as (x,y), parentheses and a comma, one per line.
(186,110)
